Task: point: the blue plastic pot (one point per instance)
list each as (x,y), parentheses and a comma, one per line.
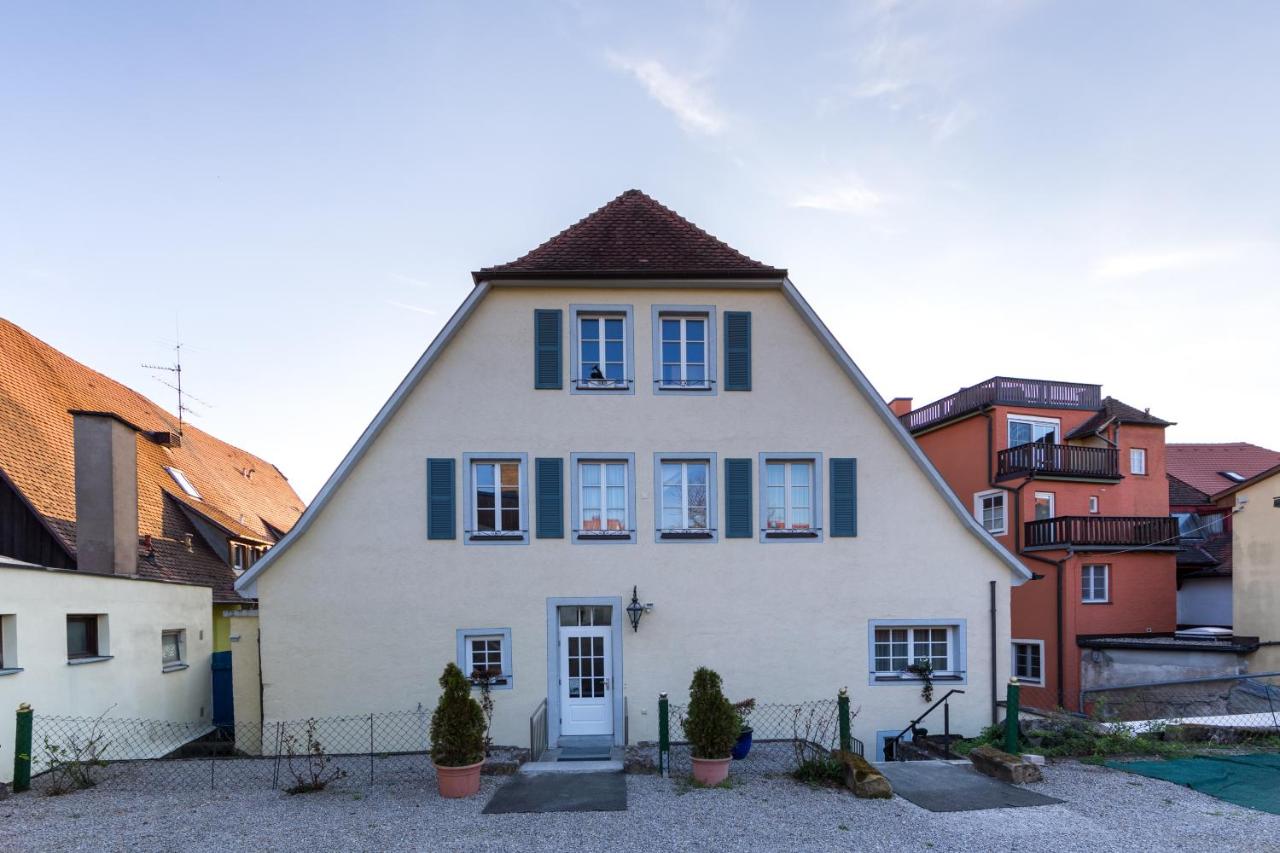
(743,746)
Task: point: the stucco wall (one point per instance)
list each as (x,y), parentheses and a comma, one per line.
(246,680)
(1205,601)
(360,613)
(1256,569)
(132,683)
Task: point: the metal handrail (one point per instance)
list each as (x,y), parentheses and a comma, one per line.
(911,726)
(538,731)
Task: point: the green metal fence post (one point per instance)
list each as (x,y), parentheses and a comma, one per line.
(22,750)
(846,736)
(1011,718)
(664,737)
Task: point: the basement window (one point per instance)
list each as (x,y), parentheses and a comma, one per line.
(185,484)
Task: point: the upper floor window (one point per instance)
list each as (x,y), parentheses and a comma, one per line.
(1095,584)
(1137,461)
(684,343)
(183,483)
(604,498)
(496,498)
(790,496)
(988,508)
(685,497)
(1093,503)
(1025,429)
(1028,661)
(1044,505)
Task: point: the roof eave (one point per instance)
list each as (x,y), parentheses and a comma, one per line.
(497,276)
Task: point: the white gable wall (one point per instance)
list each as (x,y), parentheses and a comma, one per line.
(359,614)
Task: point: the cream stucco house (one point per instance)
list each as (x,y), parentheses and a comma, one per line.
(1254,505)
(633,405)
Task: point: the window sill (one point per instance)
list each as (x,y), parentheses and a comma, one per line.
(496,537)
(676,535)
(503,683)
(11,670)
(1095,603)
(603,385)
(175,667)
(791,534)
(93,659)
(603,536)
(883,678)
(676,388)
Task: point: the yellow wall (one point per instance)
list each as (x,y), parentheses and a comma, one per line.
(1255,560)
(222,627)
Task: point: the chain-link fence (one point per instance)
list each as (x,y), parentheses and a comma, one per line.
(350,752)
(783,737)
(1230,709)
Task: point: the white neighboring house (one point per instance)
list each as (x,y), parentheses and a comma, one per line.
(80,644)
(634,405)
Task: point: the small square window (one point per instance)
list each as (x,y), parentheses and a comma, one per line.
(486,651)
(1137,461)
(1095,584)
(1028,661)
(988,508)
(173,649)
(84,636)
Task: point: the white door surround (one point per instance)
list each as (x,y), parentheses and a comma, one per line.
(584,668)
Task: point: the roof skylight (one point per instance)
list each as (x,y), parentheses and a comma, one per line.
(181,479)
(1233,476)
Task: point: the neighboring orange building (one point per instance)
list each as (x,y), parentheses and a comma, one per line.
(1074,485)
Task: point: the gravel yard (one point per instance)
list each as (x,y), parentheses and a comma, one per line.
(1102,810)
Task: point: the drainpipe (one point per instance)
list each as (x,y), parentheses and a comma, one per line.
(994,695)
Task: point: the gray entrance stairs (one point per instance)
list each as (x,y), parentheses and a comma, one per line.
(954,786)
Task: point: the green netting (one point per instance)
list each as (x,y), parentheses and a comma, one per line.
(1246,780)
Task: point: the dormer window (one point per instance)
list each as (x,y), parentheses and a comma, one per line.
(183,483)
(243,556)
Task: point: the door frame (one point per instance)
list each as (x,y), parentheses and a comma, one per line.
(553,663)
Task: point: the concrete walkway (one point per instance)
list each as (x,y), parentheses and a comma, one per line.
(561,792)
(943,786)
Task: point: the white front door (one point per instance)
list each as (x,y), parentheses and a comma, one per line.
(586,682)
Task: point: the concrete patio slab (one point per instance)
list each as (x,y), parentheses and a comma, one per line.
(561,792)
(941,786)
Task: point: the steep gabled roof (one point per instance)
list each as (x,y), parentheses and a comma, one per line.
(1114,411)
(40,386)
(1202,465)
(632,236)
(1185,494)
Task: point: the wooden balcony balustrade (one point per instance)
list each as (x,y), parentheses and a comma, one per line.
(1059,460)
(1103,532)
(1004,390)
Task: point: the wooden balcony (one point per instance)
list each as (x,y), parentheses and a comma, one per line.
(1003,390)
(1059,461)
(1103,533)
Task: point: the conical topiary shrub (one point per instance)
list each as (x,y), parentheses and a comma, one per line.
(457,726)
(711,723)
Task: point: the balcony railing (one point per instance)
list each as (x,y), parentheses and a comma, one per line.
(1059,460)
(1038,393)
(1103,532)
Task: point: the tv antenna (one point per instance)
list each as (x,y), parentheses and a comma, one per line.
(176,385)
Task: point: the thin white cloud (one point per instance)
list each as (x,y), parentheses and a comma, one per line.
(406,279)
(1133,264)
(951,122)
(430,312)
(845,195)
(682,95)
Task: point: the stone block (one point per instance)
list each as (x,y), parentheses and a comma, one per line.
(863,779)
(1003,766)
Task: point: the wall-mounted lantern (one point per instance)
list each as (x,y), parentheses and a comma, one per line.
(635,609)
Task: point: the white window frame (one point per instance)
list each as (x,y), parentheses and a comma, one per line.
(789,533)
(180,635)
(472,535)
(902,672)
(577,384)
(183,483)
(628,533)
(1138,461)
(1106,583)
(1013,660)
(1053,504)
(979,510)
(685,534)
(1034,421)
(683,313)
(464,636)
(1093,504)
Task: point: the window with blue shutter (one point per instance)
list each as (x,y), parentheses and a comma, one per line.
(737,498)
(549,476)
(440,499)
(844,497)
(548,365)
(737,350)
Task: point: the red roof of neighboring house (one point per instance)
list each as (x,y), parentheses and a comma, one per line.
(241,493)
(632,236)
(1201,465)
(1120,412)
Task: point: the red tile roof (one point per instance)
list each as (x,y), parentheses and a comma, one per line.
(1115,410)
(1200,465)
(632,236)
(39,386)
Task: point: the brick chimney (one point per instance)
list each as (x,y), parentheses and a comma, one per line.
(106,494)
(900,405)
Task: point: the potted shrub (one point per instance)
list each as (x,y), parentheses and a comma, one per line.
(712,727)
(457,736)
(743,744)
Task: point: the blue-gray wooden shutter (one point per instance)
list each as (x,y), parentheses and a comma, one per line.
(549,485)
(548,364)
(440,499)
(737,350)
(844,497)
(737,498)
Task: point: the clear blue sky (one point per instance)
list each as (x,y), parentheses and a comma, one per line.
(1078,191)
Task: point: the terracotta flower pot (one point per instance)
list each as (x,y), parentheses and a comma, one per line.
(710,771)
(458,781)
